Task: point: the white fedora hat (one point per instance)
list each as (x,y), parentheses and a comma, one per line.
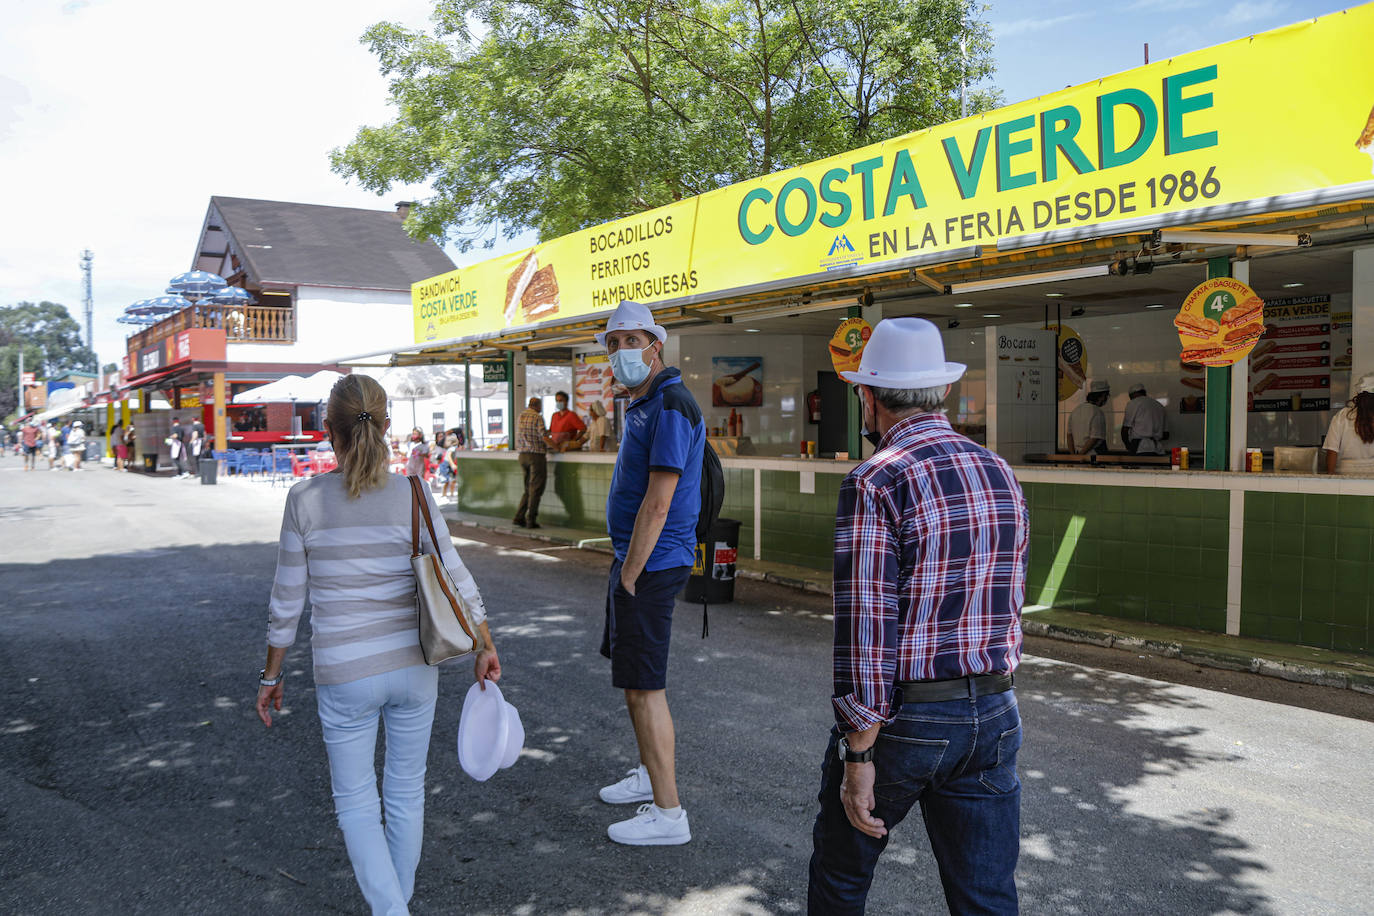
(905,353)
(629,316)
(490,734)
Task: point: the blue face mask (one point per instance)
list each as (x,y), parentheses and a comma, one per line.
(629,367)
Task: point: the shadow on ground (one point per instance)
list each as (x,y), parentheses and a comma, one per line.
(134,776)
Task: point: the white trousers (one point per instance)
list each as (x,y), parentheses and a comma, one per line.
(384,858)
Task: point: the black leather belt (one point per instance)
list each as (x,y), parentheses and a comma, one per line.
(955,688)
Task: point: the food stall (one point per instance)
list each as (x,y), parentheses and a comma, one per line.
(1056,241)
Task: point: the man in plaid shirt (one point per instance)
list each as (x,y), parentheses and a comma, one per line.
(930,569)
(532,442)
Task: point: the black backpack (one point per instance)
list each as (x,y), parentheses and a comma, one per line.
(712,497)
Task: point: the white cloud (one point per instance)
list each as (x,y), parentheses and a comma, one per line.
(118,121)
(1248,11)
(1032,24)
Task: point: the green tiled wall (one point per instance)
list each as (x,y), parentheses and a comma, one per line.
(1143,553)
(799,528)
(1306,570)
(575,496)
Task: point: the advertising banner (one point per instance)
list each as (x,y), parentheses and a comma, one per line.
(1219,322)
(1290,368)
(1284,112)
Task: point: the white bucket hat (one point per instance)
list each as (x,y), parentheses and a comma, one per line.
(490,734)
(629,316)
(1365,384)
(905,353)
(78,425)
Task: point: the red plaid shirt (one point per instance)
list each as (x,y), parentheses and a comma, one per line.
(930,568)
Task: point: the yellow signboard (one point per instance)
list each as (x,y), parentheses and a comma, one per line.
(1191,138)
(847,344)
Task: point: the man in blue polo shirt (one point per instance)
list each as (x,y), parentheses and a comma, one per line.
(651,514)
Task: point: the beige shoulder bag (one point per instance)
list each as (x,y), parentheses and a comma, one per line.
(446,628)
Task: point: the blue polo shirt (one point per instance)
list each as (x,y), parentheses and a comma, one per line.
(663,432)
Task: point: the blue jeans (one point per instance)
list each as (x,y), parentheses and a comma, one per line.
(958,759)
(384,859)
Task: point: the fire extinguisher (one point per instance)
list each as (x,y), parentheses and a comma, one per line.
(813,407)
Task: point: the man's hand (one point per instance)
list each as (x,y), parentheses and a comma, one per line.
(856,792)
(628,581)
(269,698)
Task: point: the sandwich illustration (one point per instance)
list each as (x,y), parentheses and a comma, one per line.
(1199,326)
(540,298)
(1245,313)
(1245,334)
(516,285)
(1365,143)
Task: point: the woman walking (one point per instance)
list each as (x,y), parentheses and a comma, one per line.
(346,535)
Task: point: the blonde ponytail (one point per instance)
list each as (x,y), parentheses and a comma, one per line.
(357,424)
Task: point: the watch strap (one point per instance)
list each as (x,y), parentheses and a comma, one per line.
(265,681)
(851,756)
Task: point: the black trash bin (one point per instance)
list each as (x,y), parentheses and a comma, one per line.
(209,470)
(713,577)
(150,464)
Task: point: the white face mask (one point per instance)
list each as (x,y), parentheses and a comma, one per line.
(629,367)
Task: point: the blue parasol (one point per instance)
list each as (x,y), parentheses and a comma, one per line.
(233,295)
(196,284)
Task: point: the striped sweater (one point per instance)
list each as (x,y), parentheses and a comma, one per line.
(354,557)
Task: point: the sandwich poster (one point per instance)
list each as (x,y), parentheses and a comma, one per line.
(1290,367)
(1219,323)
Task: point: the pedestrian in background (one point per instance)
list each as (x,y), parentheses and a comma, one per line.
(130,442)
(532,441)
(52,444)
(651,516)
(76,445)
(29,439)
(930,570)
(417,453)
(176,445)
(197,444)
(345,536)
(448,467)
(121,451)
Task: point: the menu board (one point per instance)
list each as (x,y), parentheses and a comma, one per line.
(1290,367)
(592,381)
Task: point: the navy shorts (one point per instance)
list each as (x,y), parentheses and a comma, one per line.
(638,627)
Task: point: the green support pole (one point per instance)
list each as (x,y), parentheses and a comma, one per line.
(467,403)
(510,399)
(1217,423)
(855,411)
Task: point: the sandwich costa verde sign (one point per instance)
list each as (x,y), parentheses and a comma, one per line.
(1229,129)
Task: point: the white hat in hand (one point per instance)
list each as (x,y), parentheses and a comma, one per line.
(905,353)
(490,734)
(630,316)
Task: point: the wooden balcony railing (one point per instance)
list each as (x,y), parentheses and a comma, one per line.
(241,324)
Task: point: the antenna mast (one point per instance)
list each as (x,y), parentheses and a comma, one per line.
(89,303)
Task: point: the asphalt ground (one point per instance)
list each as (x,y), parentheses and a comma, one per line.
(135,777)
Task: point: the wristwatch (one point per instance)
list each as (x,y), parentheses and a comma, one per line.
(265,681)
(848,756)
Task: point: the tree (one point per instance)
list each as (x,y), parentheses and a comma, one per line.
(554,115)
(51,343)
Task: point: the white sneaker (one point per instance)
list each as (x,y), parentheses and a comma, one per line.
(635,787)
(650,827)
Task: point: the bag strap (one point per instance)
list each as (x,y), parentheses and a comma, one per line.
(414,517)
(420,505)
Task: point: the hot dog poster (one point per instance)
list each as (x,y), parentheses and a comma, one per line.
(1290,367)
(592,381)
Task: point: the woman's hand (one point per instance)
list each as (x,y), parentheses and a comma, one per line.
(487,667)
(268,699)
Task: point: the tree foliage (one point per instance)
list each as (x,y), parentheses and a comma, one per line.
(50,340)
(554,115)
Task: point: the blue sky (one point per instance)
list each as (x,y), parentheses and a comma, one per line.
(1044,46)
(117,142)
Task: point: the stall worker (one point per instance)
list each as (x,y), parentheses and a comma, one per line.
(1087,423)
(566,428)
(1349,441)
(1144,426)
(599,430)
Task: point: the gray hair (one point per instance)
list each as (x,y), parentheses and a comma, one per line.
(910,400)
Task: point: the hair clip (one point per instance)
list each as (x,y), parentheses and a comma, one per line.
(364,416)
